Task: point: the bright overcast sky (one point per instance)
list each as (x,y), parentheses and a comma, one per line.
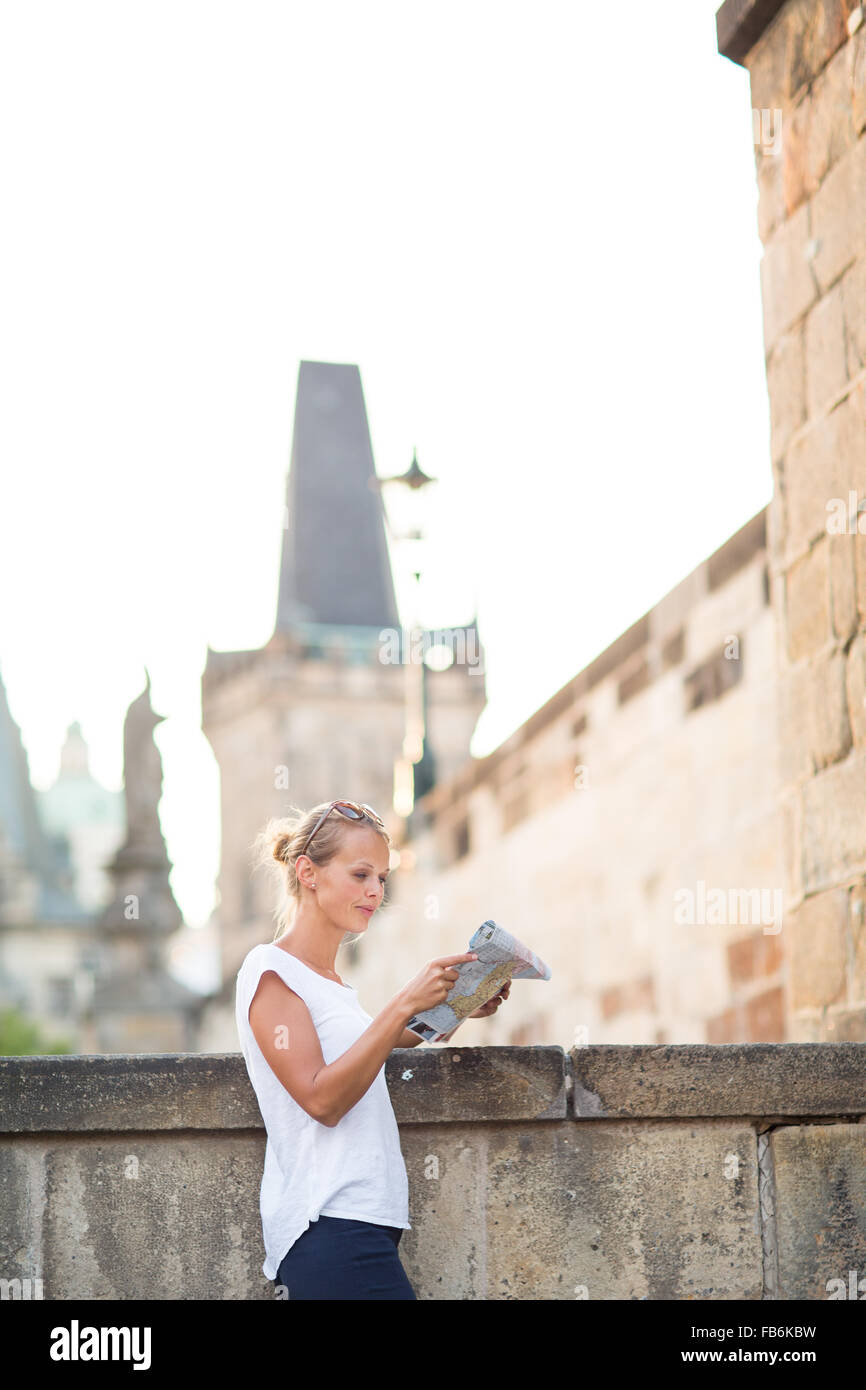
(534,229)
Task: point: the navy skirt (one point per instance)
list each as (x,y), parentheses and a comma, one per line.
(336,1258)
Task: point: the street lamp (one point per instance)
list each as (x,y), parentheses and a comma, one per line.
(413,772)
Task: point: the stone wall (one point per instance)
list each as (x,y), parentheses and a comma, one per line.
(651,775)
(807,65)
(604,1173)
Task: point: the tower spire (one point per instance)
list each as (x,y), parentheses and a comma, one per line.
(335,566)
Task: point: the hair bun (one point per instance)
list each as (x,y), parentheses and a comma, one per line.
(280,845)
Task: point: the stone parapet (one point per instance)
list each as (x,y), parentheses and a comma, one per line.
(606,1172)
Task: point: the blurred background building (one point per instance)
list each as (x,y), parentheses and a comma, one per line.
(655,768)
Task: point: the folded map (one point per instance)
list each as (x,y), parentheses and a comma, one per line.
(501,957)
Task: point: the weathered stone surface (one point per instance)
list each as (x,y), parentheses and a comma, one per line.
(788,287)
(21,1202)
(807,609)
(820,1179)
(839,216)
(817,943)
(843,586)
(829,726)
(856,689)
(829,127)
(834,817)
(794,48)
(112,1092)
(858,79)
(844,1024)
(818,471)
(741,1079)
(755,956)
(853,286)
(826,368)
(760,1018)
(511,1083)
(771,189)
(625,1212)
(658,1198)
(213,1091)
(791,834)
(814,726)
(857,928)
(134,1217)
(786,385)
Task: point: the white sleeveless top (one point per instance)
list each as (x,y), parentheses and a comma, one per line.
(353,1169)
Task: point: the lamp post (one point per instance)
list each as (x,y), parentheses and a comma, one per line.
(413,772)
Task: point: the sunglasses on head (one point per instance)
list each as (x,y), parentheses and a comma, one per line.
(351,810)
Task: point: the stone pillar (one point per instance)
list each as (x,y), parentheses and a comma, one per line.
(807,64)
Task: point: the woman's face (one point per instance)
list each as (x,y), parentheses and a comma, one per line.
(354,881)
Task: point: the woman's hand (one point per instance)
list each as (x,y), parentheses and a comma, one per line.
(488,1009)
(432,985)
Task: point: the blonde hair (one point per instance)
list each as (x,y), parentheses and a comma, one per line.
(280,844)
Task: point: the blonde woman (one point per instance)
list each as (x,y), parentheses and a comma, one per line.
(334,1192)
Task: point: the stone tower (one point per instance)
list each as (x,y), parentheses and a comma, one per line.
(807,66)
(320,711)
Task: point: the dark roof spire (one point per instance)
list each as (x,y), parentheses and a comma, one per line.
(335,565)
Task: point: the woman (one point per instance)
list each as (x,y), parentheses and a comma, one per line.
(334,1193)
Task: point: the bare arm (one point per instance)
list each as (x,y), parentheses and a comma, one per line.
(286,1035)
(409,1039)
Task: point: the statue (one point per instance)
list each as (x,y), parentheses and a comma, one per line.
(142,770)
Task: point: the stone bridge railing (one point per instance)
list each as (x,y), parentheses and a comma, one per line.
(682,1172)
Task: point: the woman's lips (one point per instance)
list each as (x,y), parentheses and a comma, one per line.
(368,910)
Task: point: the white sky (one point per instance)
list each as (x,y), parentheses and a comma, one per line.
(534,229)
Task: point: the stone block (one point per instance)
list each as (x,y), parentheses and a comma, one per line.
(844,1024)
(858,79)
(857,934)
(829,730)
(583,1211)
(838,218)
(815,470)
(21,1199)
(816,936)
(632,995)
(133,1217)
(829,129)
(853,286)
(820,1207)
(798,181)
(754,957)
(795,700)
(856,689)
(825,352)
(772,211)
(843,586)
(786,385)
(788,287)
(791,835)
(696,1080)
(760,1019)
(807,602)
(834,824)
(794,49)
(516,1082)
(776,525)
